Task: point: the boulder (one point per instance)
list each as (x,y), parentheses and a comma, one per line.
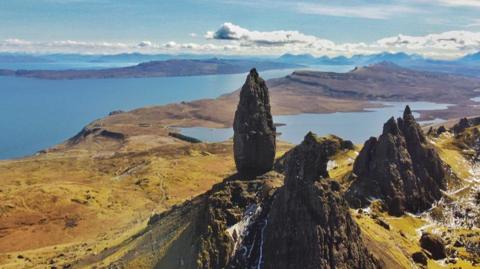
(420,258)
(434,245)
(254,132)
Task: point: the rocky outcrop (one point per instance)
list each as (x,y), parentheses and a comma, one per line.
(93,132)
(309,224)
(254,132)
(467,137)
(400,167)
(434,245)
(441,130)
(325,146)
(185,138)
(463,124)
(420,258)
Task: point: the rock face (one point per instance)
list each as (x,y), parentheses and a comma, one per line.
(309,224)
(254,133)
(233,220)
(400,167)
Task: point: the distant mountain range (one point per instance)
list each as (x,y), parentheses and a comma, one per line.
(166,68)
(354,60)
(468,65)
(360,59)
(305,59)
(114,58)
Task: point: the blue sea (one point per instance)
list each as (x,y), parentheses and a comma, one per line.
(36,114)
(354,126)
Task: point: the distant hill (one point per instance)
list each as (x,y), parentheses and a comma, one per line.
(467,66)
(354,60)
(384,81)
(21,58)
(397,58)
(298,58)
(166,68)
(327,92)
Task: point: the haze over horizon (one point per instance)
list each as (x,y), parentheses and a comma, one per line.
(442,29)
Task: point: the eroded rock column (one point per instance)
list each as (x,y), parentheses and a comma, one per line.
(254,133)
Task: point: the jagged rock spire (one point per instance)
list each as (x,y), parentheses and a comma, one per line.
(407,112)
(391,127)
(309,223)
(400,167)
(254,133)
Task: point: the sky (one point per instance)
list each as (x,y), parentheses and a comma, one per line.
(434,28)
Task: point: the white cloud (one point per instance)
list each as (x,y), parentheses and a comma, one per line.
(71,46)
(192,35)
(145,44)
(14,44)
(464,3)
(230,31)
(453,41)
(368,12)
(233,39)
(443,45)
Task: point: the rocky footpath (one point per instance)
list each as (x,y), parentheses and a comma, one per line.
(254,133)
(399,167)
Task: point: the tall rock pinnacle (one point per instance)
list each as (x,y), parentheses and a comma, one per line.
(254,133)
(400,167)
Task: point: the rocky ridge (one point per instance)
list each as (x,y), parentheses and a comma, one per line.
(400,167)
